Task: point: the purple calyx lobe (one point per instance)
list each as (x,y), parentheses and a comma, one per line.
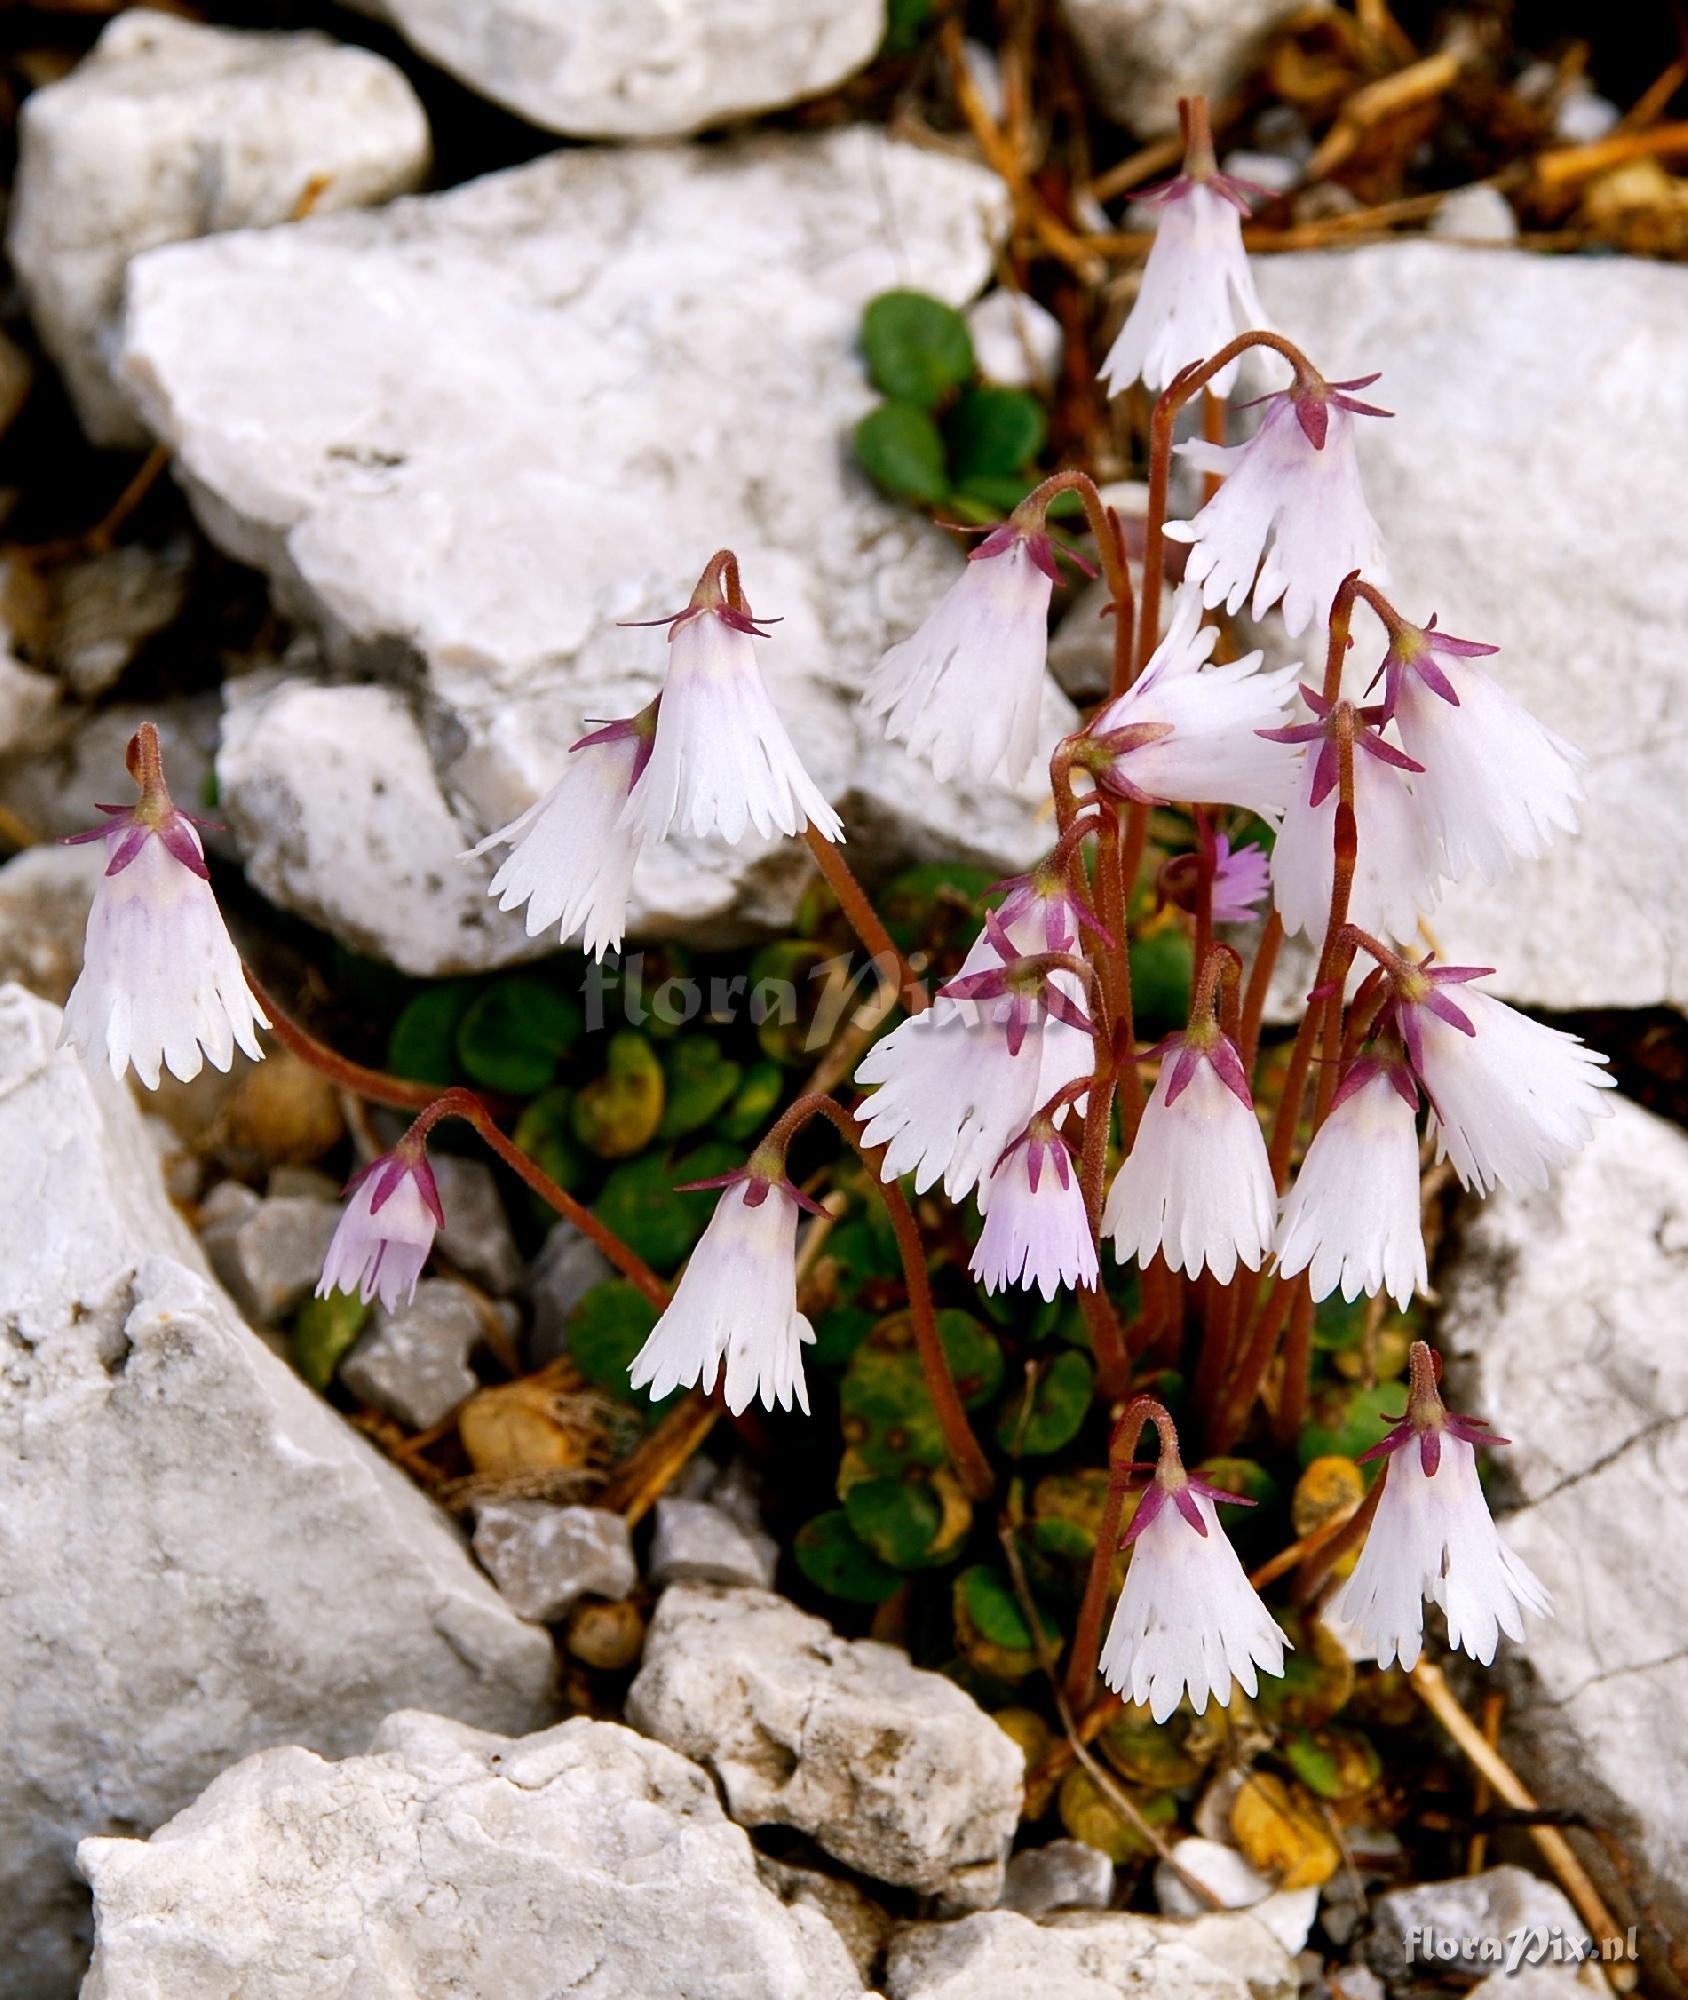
(1413,649)
(1187,1053)
(388,1172)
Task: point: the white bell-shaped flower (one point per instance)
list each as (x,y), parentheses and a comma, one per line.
(161,982)
(571,860)
(965,690)
(1196,1185)
(386,1229)
(721,761)
(736,1302)
(1351,1217)
(1036,1230)
(1432,1538)
(1291,519)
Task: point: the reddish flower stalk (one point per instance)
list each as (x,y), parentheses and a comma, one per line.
(863,919)
(967,1455)
(1137,1415)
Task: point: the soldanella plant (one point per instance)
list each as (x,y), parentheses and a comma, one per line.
(1195,1199)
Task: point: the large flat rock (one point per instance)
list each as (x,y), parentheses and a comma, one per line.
(1564,1324)
(465,439)
(1529,492)
(199,1558)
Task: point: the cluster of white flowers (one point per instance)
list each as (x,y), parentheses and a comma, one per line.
(1445,775)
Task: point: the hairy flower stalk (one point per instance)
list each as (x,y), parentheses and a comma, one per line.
(1432,1539)
(736,1301)
(571,859)
(1188,1622)
(161,982)
(721,761)
(1037,1230)
(1291,519)
(1196,1186)
(965,691)
(1196,290)
(386,1229)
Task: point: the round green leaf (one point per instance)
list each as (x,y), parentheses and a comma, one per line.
(1345,1421)
(1160,981)
(323,1331)
(423,1042)
(753,1104)
(511,1037)
(1059,1405)
(917,348)
(640,1204)
(993,433)
(606,1329)
(902,452)
(545,1133)
(618,1113)
(700,1082)
(898,1519)
(832,1557)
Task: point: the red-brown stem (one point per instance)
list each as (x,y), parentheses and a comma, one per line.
(373,1084)
(864,920)
(1259,982)
(1105,530)
(1124,611)
(967,1455)
(1298,1362)
(1204,887)
(1140,1412)
(1318,1563)
(1125,1023)
(1107,1337)
(1226,1425)
(1171,400)
(1213,431)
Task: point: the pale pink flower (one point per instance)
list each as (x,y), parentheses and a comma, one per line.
(571,860)
(161,981)
(965,691)
(1291,519)
(1036,1230)
(1188,1620)
(1197,291)
(1184,731)
(736,1302)
(1512,1099)
(1351,1218)
(957,1083)
(1496,782)
(721,760)
(1241,878)
(1396,875)
(1196,1185)
(1432,1537)
(386,1229)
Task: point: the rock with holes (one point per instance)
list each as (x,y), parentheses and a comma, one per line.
(465,445)
(171,129)
(448,1861)
(1141,56)
(893,1771)
(641,69)
(1089,1955)
(1538,388)
(1563,1322)
(199,1557)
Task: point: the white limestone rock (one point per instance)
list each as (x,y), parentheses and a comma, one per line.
(447,1860)
(414,1363)
(200,1558)
(1477,214)
(1287,1913)
(1141,56)
(1563,1322)
(641,69)
(1016,342)
(543,1557)
(1528,493)
(1088,1955)
(1061,1875)
(464,444)
(476,1234)
(45,896)
(269,1254)
(892,1770)
(696,1541)
(169,129)
(1492,1905)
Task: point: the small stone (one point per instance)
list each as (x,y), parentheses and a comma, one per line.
(697,1542)
(286,1180)
(447,1860)
(53,791)
(1288,1913)
(1476,215)
(1063,1875)
(543,1557)
(27,701)
(1406,1922)
(890,1769)
(1141,56)
(606,1636)
(270,1255)
(1583,116)
(863,1928)
(642,69)
(521,1428)
(170,129)
(278,1112)
(1276,172)
(414,1363)
(476,1236)
(45,896)
(566,1269)
(109,604)
(1016,342)
(1356,1982)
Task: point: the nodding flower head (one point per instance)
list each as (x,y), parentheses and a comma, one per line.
(161,981)
(1432,1538)
(386,1228)
(1036,1231)
(1240,879)
(1027,983)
